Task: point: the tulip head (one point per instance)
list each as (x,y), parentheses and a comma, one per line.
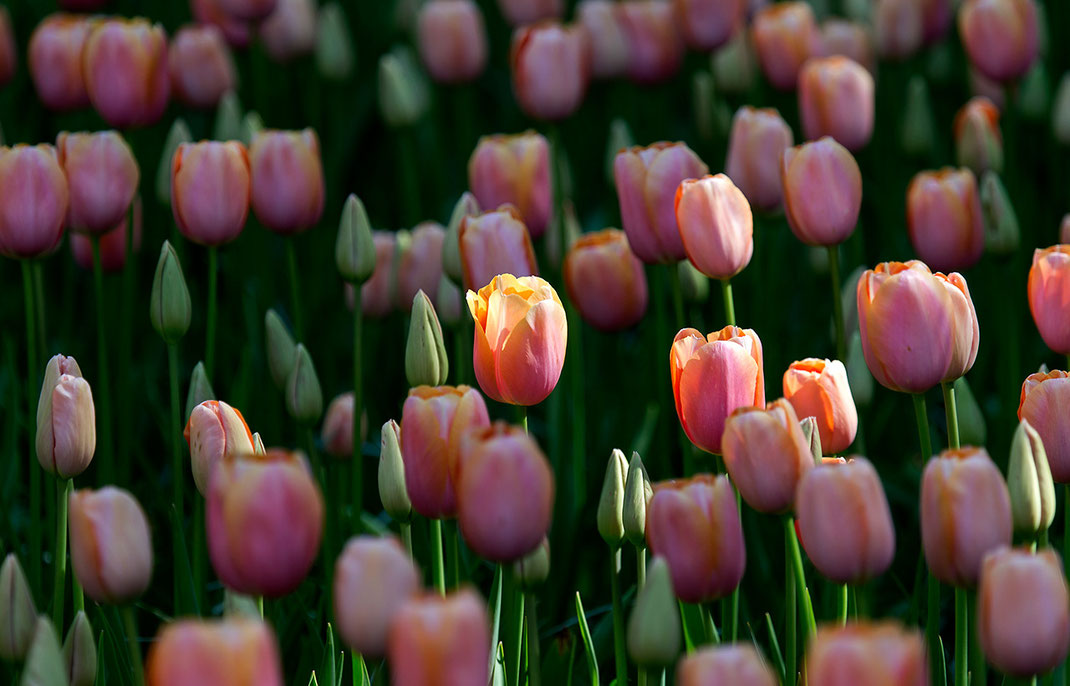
(215,430)
(403,93)
(512,170)
(758,138)
(978,141)
(44,661)
(654,625)
(551,66)
(337,434)
(334,46)
(113,243)
(178,134)
(1000,36)
(708,24)
(435,639)
(304,397)
(492,243)
(392,489)
(611,503)
(850,39)
(653,42)
(354,251)
(836,98)
(234,651)
(466,206)
(1002,235)
(532,570)
(200,65)
(637,494)
(287,180)
(125,66)
(419,261)
(785,36)
(169,306)
(766,455)
(715,224)
(281,349)
(604,24)
(290,31)
(55,60)
(426,363)
(822,191)
(1029,482)
(210,191)
(34,198)
(733,663)
(1049,290)
(818,388)
(111,548)
(605,280)
(735,66)
(66,425)
(80,652)
(452,40)
(867,653)
(1042,403)
(17,612)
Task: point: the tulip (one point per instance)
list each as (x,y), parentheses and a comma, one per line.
(391,476)
(237,32)
(466,206)
(611,502)
(1029,482)
(899,27)
(337,434)
(426,363)
(849,39)
(967,332)
(420,262)
(836,96)
(33,200)
(287,180)
(112,244)
(978,142)
(436,641)
(111,547)
(1064,229)
(236,652)
(377,293)
(758,138)
(354,249)
(551,66)
(304,397)
(215,431)
(732,663)
(654,627)
(1023,620)
(290,31)
(433,422)
(334,46)
(766,454)
(785,36)
(734,66)
(708,24)
(605,280)
(711,377)
(522,12)
(1000,36)
(125,68)
(532,570)
(965,513)
(646,180)
(102,176)
(257,547)
(448,302)
(514,170)
(403,91)
(715,224)
(44,661)
(281,349)
(822,191)
(373,577)
(654,46)
(694,524)
(210,191)
(1049,296)
(201,66)
(604,23)
(1002,233)
(520,337)
(452,40)
(944,218)
(55,60)
(883,653)
(80,652)
(17,611)
(249,10)
(66,425)
(848,549)
(818,388)
(637,494)
(1045,395)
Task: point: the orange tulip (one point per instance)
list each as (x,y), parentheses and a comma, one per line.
(514,170)
(112,244)
(215,430)
(715,224)
(287,180)
(111,547)
(1049,296)
(125,68)
(694,524)
(452,40)
(603,20)
(33,200)
(1043,403)
(708,24)
(210,191)
(785,36)
(819,389)
(1000,36)
(850,39)
(978,141)
(202,70)
(872,653)
(822,191)
(899,26)
(436,641)
(232,651)
(377,296)
(102,176)
(758,138)
(944,218)
(420,262)
(654,46)
(551,66)
(495,242)
(766,453)
(55,60)
(732,663)
(836,98)
(605,280)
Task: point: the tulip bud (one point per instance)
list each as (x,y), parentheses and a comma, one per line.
(17,611)
(850,39)
(1029,482)
(866,653)
(334,47)
(899,28)
(819,388)
(290,31)
(169,307)
(304,399)
(655,47)
(200,64)
(1049,283)
(733,663)
(812,436)
(515,170)
(836,98)
(1060,111)
(33,200)
(532,570)
(551,67)
(611,503)
(281,349)
(80,652)
(178,134)
(972,429)
(215,430)
(605,280)
(435,639)
(654,626)
(337,434)
(44,661)
(448,302)
(1000,36)
(715,225)
(822,191)
(466,206)
(111,547)
(354,251)
(426,363)
(601,19)
(258,445)
(251,126)
(978,141)
(694,285)
(419,261)
(125,67)
(403,96)
(1044,395)
(1034,94)
(734,65)
(917,133)
(239,651)
(858,372)
(200,389)
(452,40)
(766,454)
(392,491)
(237,605)
(66,425)
(228,118)
(637,493)
(492,243)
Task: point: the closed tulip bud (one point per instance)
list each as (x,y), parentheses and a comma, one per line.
(899,28)
(440,640)
(611,503)
(215,430)
(80,652)
(514,170)
(1060,111)
(377,296)
(822,191)
(646,180)
(178,134)
(228,119)
(602,21)
(420,262)
(334,46)
(57,366)
(654,45)
(452,40)
(1045,395)
(169,307)
(654,625)
(836,98)
(55,60)
(1034,93)
(867,653)
(1029,482)
(813,438)
(125,67)
(200,65)
(66,426)
(200,389)
(694,525)
(102,176)
(734,65)
(978,142)
(210,191)
(337,434)
(448,302)
(766,454)
(304,399)
(637,494)
(1022,618)
(715,224)
(466,206)
(858,372)
(392,489)
(708,24)
(1001,222)
(532,570)
(237,32)
(44,660)
(403,96)
(551,67)
(605,280)
(785,36)
(287,180)
(17,611)
(917,134)
(733,663)
(33,200)
(1049,290)
(426,363)
(281,349)
(693,284)
(1000,36)
(235,651)
(111,547)
(758,138)
(354,250)
(290,31)
(819,388)
(251,126)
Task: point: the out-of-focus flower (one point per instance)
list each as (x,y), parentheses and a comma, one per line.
(210,191)
(1045,395)
(899,26)
(1029,482)
(514,170)
(33,200)
(393,491)
(290,31)
(237,32)
(759,137)
(112,244)
(716,226)
(66,420)
(17,610)
(734,65)
(1002,234)
(1049,296)
(819,389)
(944,218)
(111,548)
(551,67)
(354,249)
(654,45)
(80,652)
(836,98)
(55,60)
(708,24)
(654,626)
(337,434)
(251,11)
(495,242)
(201,67)
(8,50)
(377,295)
(304,397)
(732,663)
(420,262)
(605,280)
(1000,36)
(978,142)
(215,430)
(822,191)
(849,39)
(125,68)
(611,502)
(403,92)
(102,177)
(917,134)
(426,363)
(170,309)
(867,653)
(237,652)
(440,640)
(452,40)
(604,24)
(287,180)
(785,36)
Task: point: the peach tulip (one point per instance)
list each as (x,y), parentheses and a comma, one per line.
(849,39)
(836,98)
(715,224)
(1043,402)
(944,218)
(33,200)
(111,547)
(900,28)
(785,36)
(232,651)
(872,653)
(605,280)
(514,170)
(766,454)
(965,513)
(708,24)
(420,262)
(978,141)
(819,389)
(520,337)
(287,180)
(125,68)
(655,47)
(711,377)
(845,549)
(66,424)
(377,295)
(967,331)
(731,663)
(603,21)
(440,641)
(551,66)
(758,138)
(55,60)
(249,10)
(1000,36)
(822,191)
(433,421)
(505,492)
(102,176)
(1023,611)
(1049,296)
(373,577)
(215,430)
(337,433)
(452,40)
(210,191)
(646,180)
(202,70)
(290,31)
(112,244)
(694,524)
(237,32)
(264,522)
(495,242)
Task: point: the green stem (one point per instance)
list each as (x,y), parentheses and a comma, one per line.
(514,674)
(130,627)
(451,539)
(177,473)
(729,302)
(979,668)
(63,488)
(358,406)
(106,456)
(79,595)
(534,666)
(922,419)
(523,411)
(800,575)
(495,615)
(406,537)
(198,551)
(855,610)
(640,568)
(619,654)
(961,637)
(791,622)
(837,302)
(677,294)
(578,419)
(213,277)
(39,312)
(952,414)
(932,629)
(1042,539)
(841,604)
(712,637)
(295,288)
(437,571)
(31,423)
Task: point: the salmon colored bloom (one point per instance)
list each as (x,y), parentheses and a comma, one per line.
(978,141)
(440,641)
(287,180)
(822,191)
(551,65)
(1023,611)
(654,45)
(55,60)
(965,513)
(1043,403)
(112,244)
(420,262)
(248,10)
(232,651)
(505,492)
(495,242)
(33,200)
(603,21)
(520,337)
(215,430)
(715,225)
(731,663)
(377,295)
(433,421)
(264,519)
(200,64)
(845,549)
(785,36)
(944,218)
(1000,36)
(646,180)
(337,433)
(111,547)
(819,389)
(694,524)
(758,138)
(850,39)
(967,333)
(125,68)
(711,377)
(452,40)
(605,280)
(836,98)
(873,653)
(514,170)
(708,24)
(66,421)
(766,454)
(1049,296)
(210,191)
(102,177)
(899,27)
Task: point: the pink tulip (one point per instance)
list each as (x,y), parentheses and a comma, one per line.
(514,170)
(836,98)
(290,31)
(604,23)
(944,218)
(436,641)
(551,66)
(1049,296)
(215,430)
(125,67)
(337,433)
(102,176)
(785,36)
(522,12)
(766,454)
(248,10)
(112,244)
(849,39)
(201,67)
(967,333)
(716,225)
(732,663)
(55,60)
(758,138)
(495,242)
(237,32)
(210,191)
(819,389)
(1042,403)
(1000,36)
(231,651)
(655,46)
(66,425)
(708,24)
(420,266)
(900,28)
(605,280)
(452,40)
(33,200)
(822,191)
(978,140)
(287,180)
(877,653)
(111,548)
(377,296)
(1064,229)
(936,16)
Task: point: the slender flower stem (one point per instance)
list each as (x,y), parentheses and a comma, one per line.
(578,420)
(837,303)
(79,595)
(39,309)
(519,635)
(523,411)
(454,567)
(358,406)
(213,278)
(295,289)
(800,575)
(105,456)
(951,410)
(406,537)
(130,626)
(177,473)
(932,621)
(495,615)
(729,302)
(677,294)
(855,611)
(619,654)
(534,666)
(979,666)
(790,606)
(922,419)
(459,357)
(408,176)
(63,488)
(961,638)
(31,422)
(841,604)
(437,571)
(640,568)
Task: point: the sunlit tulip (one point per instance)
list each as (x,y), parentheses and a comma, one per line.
(66,423)
(876,653)
(210,191)
(603,21)
(514,170)
(1044,399)
(1000,36)
(337,434)
(785,36)
(287,180)
(237,32)
(111,547)
(112,244)
(822,191)
(978,141)
(646,180)
(1023,611)
(33,200)
(420,262)
(711,377)
(819,389)
(452,40)
(377,295)
(551,67)
(55,60)
(605,280)
(766,453)
(256,546)
(694,524)
(290,31)
(249,10)
(899,27)
(505,492)
(215,430)
(232,651)
(758,138)
(965,513)
(732,663)
(201,67)
(436,641)
(715,225)
(433,421)
(102,177)
(495,242)
(1049,296)
(836,98)
(373,577)
(944,218)
(520,337)
(125,68)
(654,45)
(849,39)
(708,24)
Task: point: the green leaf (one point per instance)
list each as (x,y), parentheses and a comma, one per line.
(592,658)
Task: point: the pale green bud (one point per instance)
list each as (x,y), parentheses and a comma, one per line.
(334,47)
(169,307)
(80,652)
(1034,94)
(1001,222)
(304,399)
(1029,482)
(239,605)
(44,661)
(258,445)
(426,363)
(466,206)
(392,491)
(354,251)
(228,119)
(694,285)
(858,374)
(813,437)
(1060,111)
(702,99)
(281,349)
(532,570)
(403,96)
(448,301)
(178,134)
(620,138)
(251,126)
(200,389)
(735,65)
(611,504)
(654,627)
(972,429)
(637,493)
(917,132)
(18,616)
